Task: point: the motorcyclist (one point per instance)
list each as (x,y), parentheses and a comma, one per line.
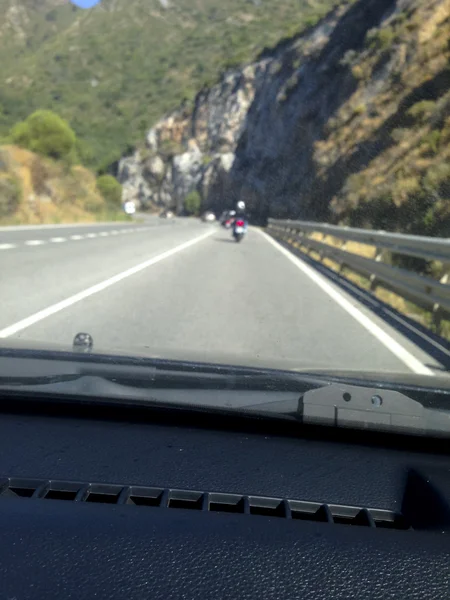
(241,214)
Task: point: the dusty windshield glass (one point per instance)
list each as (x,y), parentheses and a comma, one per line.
(252,182)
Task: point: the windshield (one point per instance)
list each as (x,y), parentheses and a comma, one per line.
(260,183)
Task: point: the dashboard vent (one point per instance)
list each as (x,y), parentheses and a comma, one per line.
(201,501)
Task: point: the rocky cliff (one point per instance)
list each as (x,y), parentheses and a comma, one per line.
(349,122)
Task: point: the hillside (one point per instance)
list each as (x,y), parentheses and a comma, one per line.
(36,190)
(113,70)
(348,123)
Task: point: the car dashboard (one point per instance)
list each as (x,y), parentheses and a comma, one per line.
(127,503)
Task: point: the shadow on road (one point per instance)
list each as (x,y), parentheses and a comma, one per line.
(429,342)
(230,241)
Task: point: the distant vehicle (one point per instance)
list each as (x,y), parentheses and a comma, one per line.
(129,207)
(208,217)
(167,214)
(227,218)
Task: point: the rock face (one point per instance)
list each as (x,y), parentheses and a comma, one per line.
(307,130)
(193,147)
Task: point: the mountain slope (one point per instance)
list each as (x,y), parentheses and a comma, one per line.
(114,69)
(34,189)
(347,123)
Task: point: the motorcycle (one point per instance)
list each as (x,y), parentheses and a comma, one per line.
(239,229)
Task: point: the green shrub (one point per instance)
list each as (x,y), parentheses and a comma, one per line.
(432,140)
(358,72)
(437,179)
(380,39)
(193,203)
(349,58)
(292,82)
(400,134)
(421,110)
(359,110)
(110,189)
(10,195)
(169,148)
(44,132)
(84,153)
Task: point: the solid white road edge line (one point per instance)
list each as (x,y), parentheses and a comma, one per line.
(388,341)
(99,287)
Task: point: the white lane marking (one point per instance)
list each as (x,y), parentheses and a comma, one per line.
(91,235)
(7,246)
(54,226)
(388,341)
(99,287)
(103,234)
(114,232)
(76,237)
(58,240)
(34,242)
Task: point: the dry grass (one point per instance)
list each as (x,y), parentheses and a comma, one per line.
(52,192)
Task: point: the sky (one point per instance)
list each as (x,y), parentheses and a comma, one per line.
(85,3)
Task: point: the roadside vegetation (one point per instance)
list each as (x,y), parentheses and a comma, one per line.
(193,203)
(42,179)
(396,127)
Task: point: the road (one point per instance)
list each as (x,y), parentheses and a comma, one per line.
(185,286)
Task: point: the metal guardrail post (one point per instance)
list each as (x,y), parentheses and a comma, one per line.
(342,246)
(437,310)
(379,257)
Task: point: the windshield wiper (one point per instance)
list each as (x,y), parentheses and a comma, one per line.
(309,399)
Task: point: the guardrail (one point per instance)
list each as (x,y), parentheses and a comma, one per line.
(424,291)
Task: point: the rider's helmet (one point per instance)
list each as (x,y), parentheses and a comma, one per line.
(240,206)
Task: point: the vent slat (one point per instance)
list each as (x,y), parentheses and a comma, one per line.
(124,495)
(246,505)
(205,502)
(287,509)
(214,502)
(42,490)
(82,493)
(164,499)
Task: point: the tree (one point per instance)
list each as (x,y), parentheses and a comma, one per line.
(193,203)
(110,189)
(45,132)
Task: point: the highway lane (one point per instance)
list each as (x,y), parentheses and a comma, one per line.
(34,277)
(188,287)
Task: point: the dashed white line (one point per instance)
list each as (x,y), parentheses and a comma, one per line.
(114,232)
(6,246)
(34,242)
(91,235)
(76,237)
(58,240)
(104,233)
(382,336)
(59,306)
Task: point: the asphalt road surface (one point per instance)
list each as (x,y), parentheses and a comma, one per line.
(185,286)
